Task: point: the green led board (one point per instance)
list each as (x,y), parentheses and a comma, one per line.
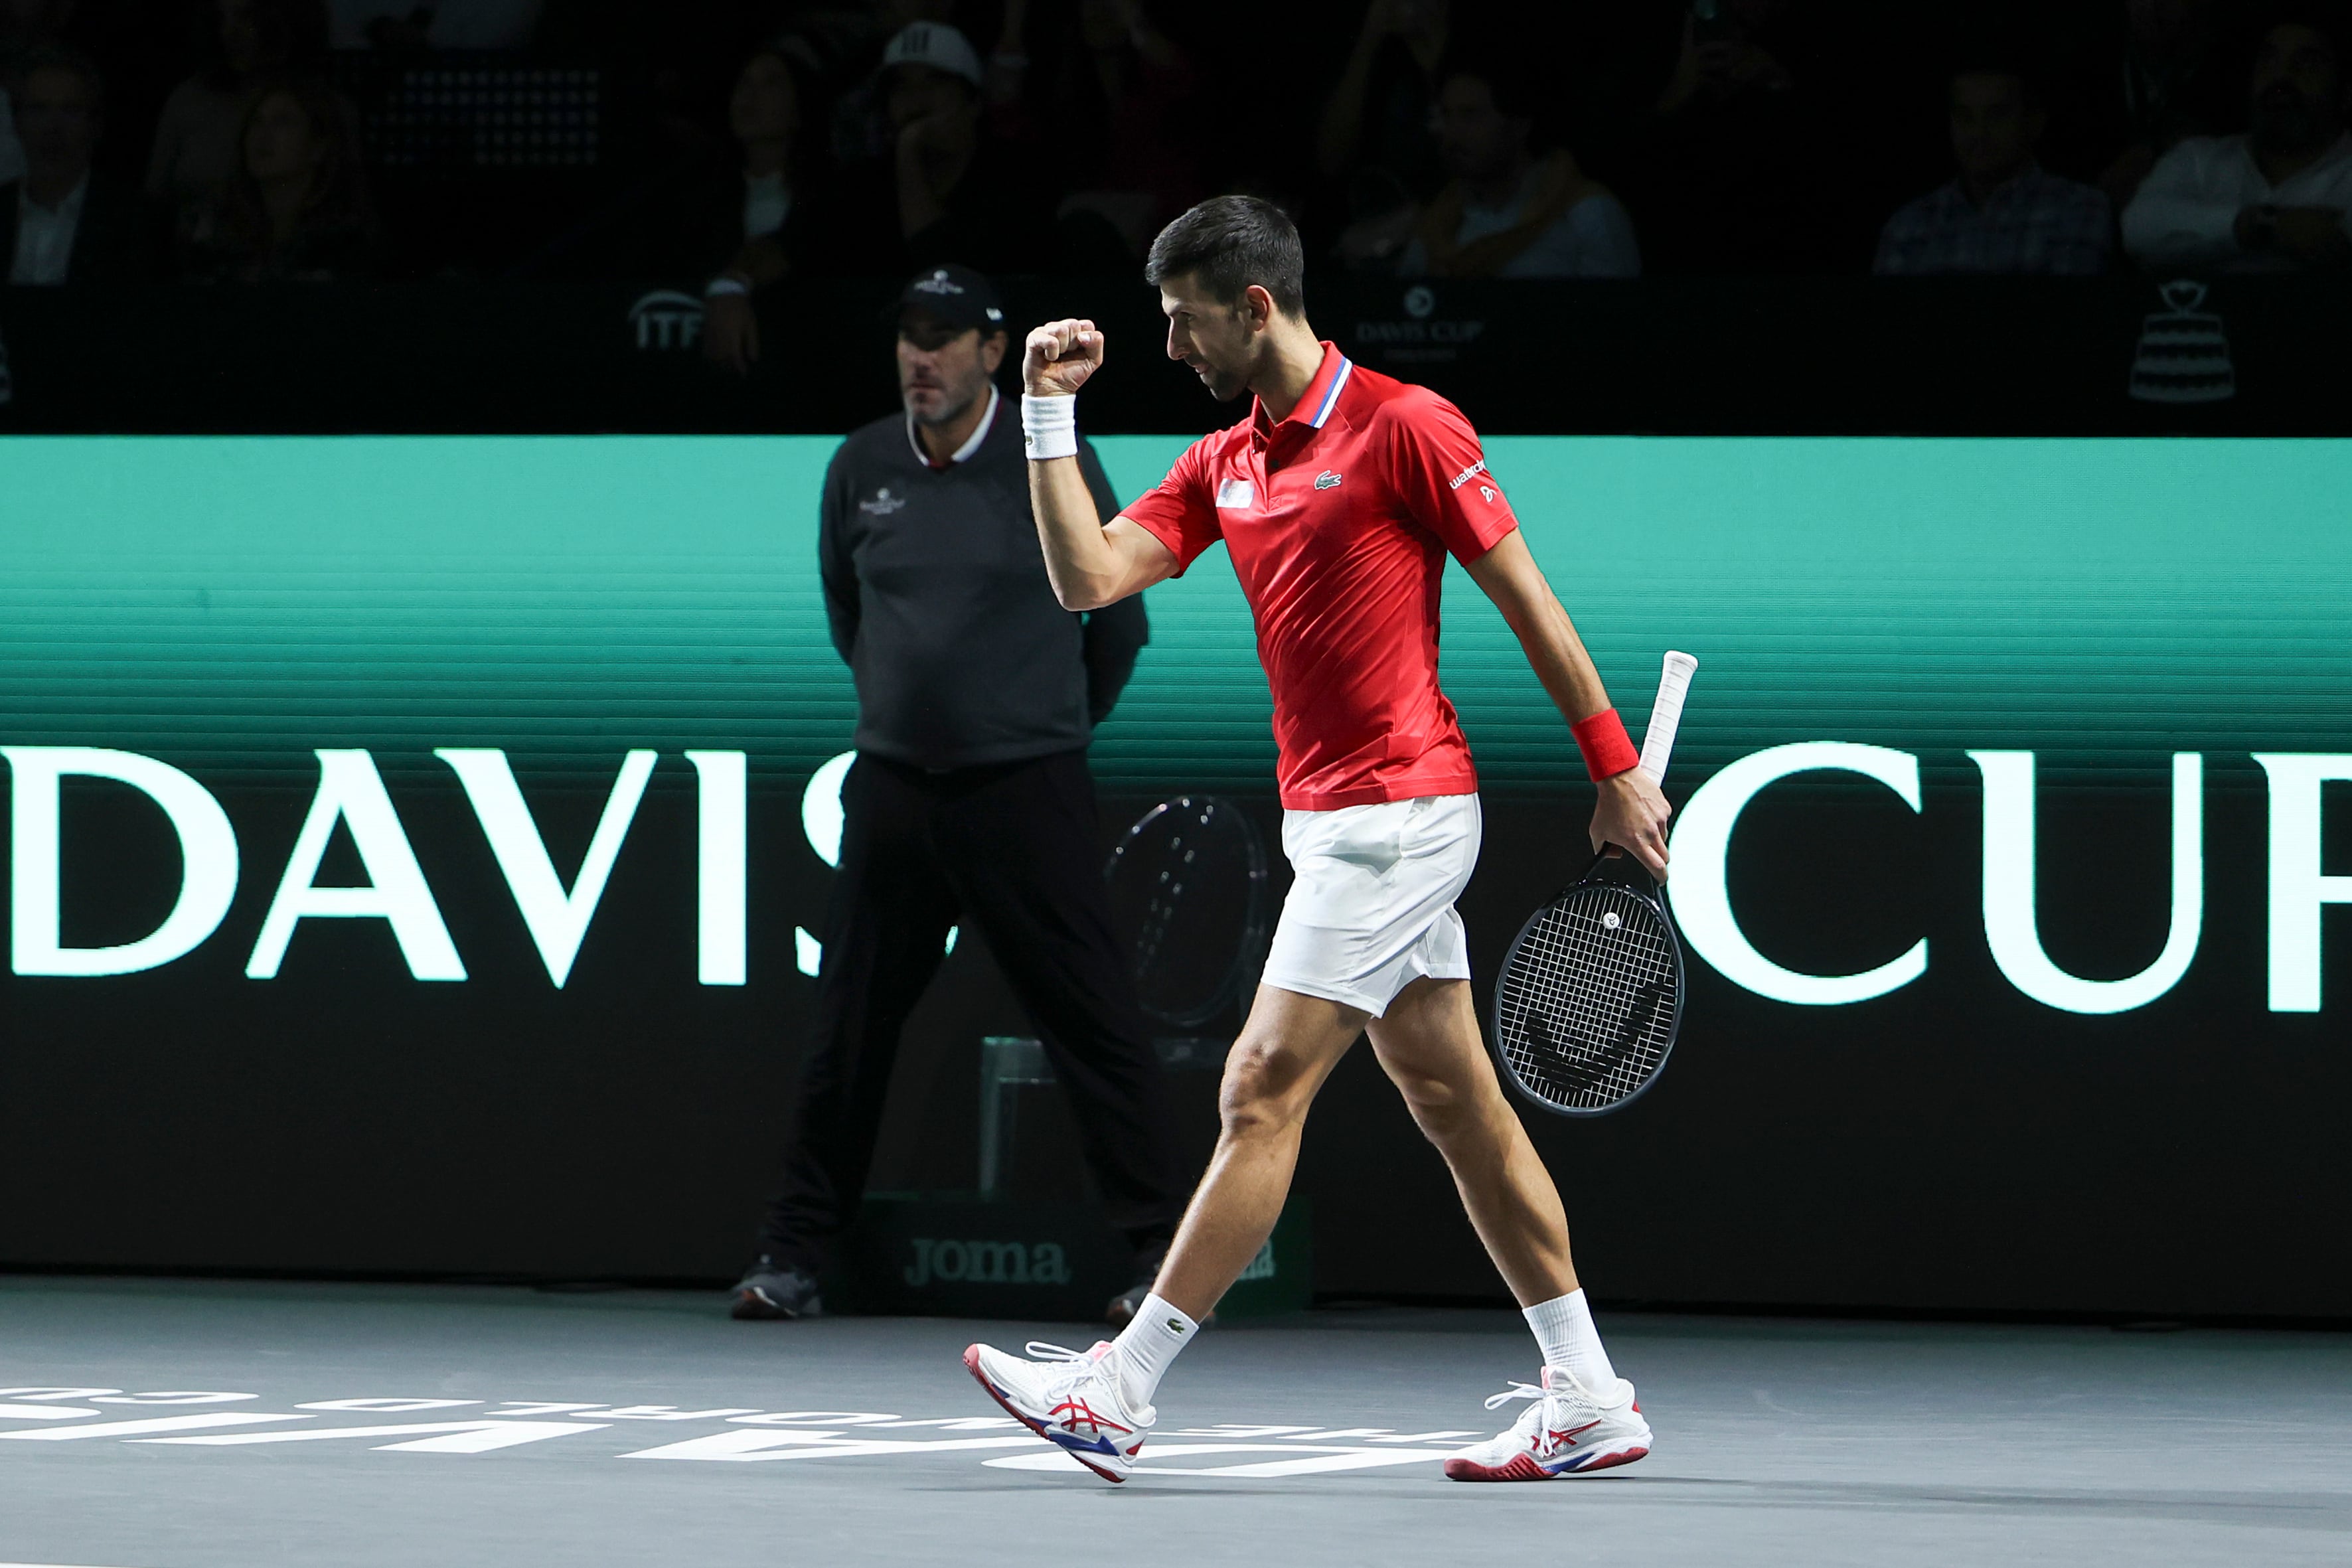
(232,604)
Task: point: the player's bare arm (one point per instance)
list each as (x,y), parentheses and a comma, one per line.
(1631,814)
(1090,563)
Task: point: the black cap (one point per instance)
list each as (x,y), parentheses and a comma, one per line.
(957,296)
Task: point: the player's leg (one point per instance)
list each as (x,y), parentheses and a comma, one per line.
(1370,881)
(1023,850)
(885,934)
(1097,1406)
(1275,1068)
(1429,1045)
(1584,1417)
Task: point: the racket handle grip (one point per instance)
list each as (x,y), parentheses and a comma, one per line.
(1666,714)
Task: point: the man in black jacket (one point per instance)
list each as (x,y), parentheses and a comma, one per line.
(61,223)
(969,799)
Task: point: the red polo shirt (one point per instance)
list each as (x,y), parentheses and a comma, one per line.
(1340,520)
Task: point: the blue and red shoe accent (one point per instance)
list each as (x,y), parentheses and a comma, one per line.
(1076,1413)
(1565,1461)
(1528,1467)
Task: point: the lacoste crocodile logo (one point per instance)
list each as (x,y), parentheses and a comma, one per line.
(1326,481)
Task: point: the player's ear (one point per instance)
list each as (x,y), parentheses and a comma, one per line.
(992,351)
(1258,307)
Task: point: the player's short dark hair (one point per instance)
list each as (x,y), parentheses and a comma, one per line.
(1230,243)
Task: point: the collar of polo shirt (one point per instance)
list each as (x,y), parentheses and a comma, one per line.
(1315,404)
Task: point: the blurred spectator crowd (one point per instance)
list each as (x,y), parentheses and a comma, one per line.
(724,146)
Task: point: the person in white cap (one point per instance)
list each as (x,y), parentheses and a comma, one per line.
(957,197)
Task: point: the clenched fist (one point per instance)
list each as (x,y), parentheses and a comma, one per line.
(1059,358)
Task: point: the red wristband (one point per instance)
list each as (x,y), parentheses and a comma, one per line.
(1608,750)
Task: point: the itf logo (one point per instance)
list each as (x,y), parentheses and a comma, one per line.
(667,319)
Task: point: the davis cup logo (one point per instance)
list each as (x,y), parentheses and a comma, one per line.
(351,798)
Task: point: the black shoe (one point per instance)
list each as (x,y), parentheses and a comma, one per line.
(1149,1257)
(1125,1305)
(769,1289)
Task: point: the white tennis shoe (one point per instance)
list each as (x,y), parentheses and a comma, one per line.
(1068,1398)
(1567,1432)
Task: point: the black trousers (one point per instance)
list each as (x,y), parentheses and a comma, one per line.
(1012,849)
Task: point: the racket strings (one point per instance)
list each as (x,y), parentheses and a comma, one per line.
(1588,1004)
(1183,894)
(1160,859)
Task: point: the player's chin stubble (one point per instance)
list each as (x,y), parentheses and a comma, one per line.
(1224,385)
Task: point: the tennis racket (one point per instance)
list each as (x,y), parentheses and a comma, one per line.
(1188,901)
(1591,997)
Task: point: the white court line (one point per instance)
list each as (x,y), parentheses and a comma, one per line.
(137,1428)
(508,1434)
(1295,1462)
(17,1411)
(461,1436)
(771,1445)
(740,1444)
(1323,1464)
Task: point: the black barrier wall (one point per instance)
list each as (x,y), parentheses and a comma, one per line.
(2118,356)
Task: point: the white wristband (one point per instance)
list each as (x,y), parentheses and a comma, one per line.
(1051,424)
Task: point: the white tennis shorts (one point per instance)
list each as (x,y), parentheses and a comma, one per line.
(1372,908)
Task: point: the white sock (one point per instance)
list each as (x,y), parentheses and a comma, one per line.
(1563,1327)
(1146,1346)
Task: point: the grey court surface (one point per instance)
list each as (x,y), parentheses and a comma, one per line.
(158,1423)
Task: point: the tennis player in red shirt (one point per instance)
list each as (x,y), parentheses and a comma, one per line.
(1339,498)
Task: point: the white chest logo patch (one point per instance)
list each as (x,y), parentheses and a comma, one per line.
(1327,481)
(882,503)
(1236,493)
